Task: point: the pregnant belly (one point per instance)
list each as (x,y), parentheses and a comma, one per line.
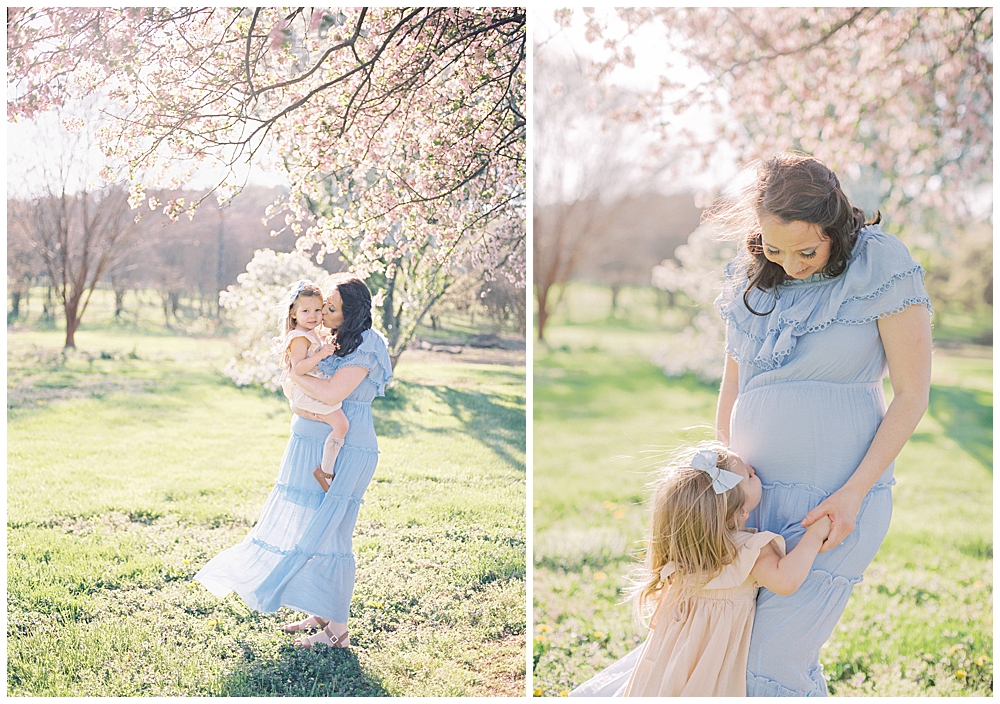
(807,432)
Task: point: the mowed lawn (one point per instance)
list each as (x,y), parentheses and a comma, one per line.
(604,416)
(133,461)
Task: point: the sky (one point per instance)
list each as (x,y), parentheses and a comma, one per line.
(36,146)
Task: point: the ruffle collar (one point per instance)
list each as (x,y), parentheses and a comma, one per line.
(881,278)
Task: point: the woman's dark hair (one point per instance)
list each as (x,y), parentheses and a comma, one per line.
(356,302)
(797,187)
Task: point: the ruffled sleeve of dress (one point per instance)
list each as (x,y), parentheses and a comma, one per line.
(373,355)
(292,334)
(881,279)
(748,550)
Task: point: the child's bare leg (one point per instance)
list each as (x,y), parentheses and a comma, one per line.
(331,448)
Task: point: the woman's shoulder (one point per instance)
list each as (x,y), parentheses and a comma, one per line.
(372,340)
(373,355)
(875,247)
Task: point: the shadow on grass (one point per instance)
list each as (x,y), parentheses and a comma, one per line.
(501,428)
(965,419)
(319,672)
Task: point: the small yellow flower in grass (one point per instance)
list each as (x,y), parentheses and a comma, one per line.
(600,576)
(977,584)
(537,692)
(981,660)
(540,638)
(187,562)
(955,648)
(960,674)
(375,605)
(598,635)
(538,504)
(213,623)
(544,628)
(564,693)
(619,513)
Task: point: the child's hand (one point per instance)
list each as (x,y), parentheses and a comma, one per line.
(327,350)
(821,527)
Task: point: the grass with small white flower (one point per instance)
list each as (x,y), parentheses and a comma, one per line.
(132,461)
(919,624)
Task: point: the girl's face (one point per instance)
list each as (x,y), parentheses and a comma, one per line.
(797,247)
(333,312)
(308,312)
(752,489)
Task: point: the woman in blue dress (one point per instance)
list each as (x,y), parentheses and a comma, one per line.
(300,554)
(819,305)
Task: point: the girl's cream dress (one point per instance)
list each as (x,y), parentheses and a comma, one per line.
(698,647)
(298,399)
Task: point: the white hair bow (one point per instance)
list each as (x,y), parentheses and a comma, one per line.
(722,480)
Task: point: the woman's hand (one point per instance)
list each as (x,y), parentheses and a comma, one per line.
(842,507)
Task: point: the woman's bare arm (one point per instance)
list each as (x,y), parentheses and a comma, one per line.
(728,391)
(906,337)
(333,390)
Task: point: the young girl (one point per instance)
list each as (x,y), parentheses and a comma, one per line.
(302,349)
(701,572)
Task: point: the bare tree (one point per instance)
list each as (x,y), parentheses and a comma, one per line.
(589,154)
(77,229)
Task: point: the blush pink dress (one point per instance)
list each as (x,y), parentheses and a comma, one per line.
(699,647)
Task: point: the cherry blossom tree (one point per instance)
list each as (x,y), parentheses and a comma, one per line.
(901,98)
(407,125)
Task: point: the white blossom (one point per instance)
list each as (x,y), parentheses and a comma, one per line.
(696,271)
(255,308)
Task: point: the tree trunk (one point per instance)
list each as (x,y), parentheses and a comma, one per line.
(15,306)
(615,289)
(47,305)
(119,302)
(72,310)
(542,294)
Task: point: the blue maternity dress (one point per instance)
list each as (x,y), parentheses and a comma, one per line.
(810,401)
(299,554)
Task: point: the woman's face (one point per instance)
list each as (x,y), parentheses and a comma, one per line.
(333,313)
(797,247)
(752,489)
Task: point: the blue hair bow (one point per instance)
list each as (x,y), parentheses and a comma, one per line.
(722,480)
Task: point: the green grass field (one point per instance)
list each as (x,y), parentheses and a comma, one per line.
(919,624)
(132,461)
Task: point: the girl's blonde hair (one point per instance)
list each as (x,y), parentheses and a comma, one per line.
(691,526)
(302,289)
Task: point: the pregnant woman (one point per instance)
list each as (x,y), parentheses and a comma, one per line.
(819,306)
(299,554)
